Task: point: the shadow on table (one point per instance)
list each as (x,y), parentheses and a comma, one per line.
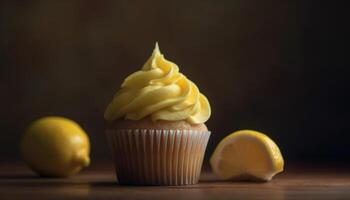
(18,176)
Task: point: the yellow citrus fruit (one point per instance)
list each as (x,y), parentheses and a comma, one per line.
(247,155)
(55,146)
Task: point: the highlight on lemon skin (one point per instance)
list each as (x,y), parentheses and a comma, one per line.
(247,155)
(55,146)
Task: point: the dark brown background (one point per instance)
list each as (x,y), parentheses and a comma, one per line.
(280,66)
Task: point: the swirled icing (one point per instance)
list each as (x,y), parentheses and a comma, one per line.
(161,92)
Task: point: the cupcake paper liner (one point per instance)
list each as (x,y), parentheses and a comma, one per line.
(158,157)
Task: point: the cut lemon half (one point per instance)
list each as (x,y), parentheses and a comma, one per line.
(247,155)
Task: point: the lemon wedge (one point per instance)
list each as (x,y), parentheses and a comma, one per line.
(247,155)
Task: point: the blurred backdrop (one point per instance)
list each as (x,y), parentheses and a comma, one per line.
(277,66)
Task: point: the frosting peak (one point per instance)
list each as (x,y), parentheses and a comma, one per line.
(161,92)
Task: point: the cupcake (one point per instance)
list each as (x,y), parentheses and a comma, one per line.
(155,126)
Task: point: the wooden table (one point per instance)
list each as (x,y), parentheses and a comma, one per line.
(98,182)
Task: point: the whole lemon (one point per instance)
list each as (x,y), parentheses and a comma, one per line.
(55,146)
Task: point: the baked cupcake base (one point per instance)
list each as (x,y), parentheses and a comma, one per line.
(158,157)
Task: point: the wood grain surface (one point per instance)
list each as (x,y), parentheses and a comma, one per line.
(99,182)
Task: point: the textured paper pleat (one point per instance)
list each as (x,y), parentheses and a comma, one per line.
(158,157)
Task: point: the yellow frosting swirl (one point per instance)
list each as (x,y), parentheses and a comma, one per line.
(160,91)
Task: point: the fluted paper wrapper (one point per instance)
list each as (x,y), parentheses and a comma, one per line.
(158,157)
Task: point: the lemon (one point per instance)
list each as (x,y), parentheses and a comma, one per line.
(55,146)
(247,155)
